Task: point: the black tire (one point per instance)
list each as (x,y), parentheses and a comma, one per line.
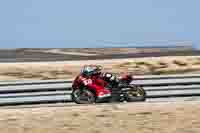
(76,96)
(140,94)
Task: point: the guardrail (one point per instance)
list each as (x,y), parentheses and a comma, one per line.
(138,77)
(53,91)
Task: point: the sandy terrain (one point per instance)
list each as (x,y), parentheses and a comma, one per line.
(69,69)
(124,118)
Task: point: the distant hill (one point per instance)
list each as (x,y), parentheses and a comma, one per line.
(62,54)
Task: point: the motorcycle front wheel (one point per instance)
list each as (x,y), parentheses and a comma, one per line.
(83,96)
(135,93)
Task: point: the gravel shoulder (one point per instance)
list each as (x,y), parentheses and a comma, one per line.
(176,117)
(69,69)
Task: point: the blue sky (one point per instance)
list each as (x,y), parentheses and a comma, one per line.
(96,23)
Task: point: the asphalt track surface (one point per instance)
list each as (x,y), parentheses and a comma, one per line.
(27,56)
(58,105)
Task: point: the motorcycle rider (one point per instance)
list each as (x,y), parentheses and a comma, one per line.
(91,76)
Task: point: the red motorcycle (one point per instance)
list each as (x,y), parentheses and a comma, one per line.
(117,90)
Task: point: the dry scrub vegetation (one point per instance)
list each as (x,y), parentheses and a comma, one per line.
(162,65)
(125,118)
(68,69)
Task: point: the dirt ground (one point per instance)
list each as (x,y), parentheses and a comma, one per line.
(180,117)
(69,69)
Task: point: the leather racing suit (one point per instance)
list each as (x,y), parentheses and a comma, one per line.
(95,83)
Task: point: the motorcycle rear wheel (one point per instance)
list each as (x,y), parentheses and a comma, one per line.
(135,94)
(89,96)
